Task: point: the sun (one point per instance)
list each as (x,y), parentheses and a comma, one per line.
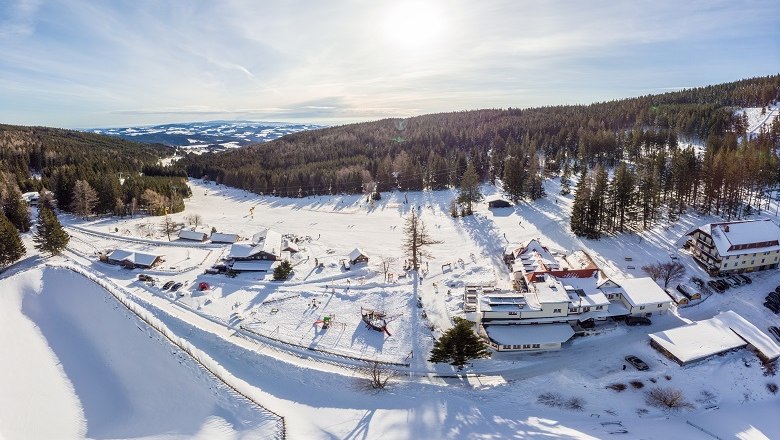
(413,26)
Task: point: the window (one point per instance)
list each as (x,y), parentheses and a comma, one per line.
(526,345)
(599,307)
(762,260)
(536,346)
(752,261)
(506,347)
(641,307)
(557,311)
(660,305)
(513,313)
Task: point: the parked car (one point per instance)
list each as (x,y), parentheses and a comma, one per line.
(775,331)
(730,282)
(723,285)
(715,286)
(745,278)
(774,295)
(777,289)
(772,299)
(588,323)
(737,279)
(145,277)
(772,306)
(639,364)
(176,286)
(167,285)
(638,320)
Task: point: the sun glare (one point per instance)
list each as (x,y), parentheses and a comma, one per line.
(413,26)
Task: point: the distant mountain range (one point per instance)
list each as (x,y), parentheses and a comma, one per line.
(207,136)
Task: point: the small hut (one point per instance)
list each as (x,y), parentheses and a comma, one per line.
(357,256)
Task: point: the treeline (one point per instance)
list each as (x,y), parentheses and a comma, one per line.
(125,176)
(518,147)
(727,179)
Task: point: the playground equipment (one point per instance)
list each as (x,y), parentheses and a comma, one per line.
(374,320)
(326,321)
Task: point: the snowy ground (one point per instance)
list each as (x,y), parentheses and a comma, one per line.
(321,398)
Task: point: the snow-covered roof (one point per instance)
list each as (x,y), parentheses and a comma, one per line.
(139,258)
(189,234)
(535,258)
(253,266)
(583,291)
(503,301)
(356,253)
(529,334)
(219,237)
(749,332)
(700,339)
(643,291)
(30,196)
(272,244)
(550,290)
(291,246)
(736,238)
(243,250)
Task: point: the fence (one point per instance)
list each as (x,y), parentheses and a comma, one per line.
(200,358)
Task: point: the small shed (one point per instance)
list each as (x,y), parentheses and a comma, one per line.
(221,237)
(498,202)
(678,297)
(191,234)
(357,256)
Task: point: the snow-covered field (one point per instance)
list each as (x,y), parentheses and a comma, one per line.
(266,333)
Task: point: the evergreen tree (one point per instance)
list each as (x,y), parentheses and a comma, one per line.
(566,179)
(15,209)
(623,196)
(579,210)
(84,199)
(11,246)
(283,270)
(50,237)
(514,179)
(535,184)
(469,189)
(458,345)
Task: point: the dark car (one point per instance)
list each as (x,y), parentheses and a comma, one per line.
(176,287)
(723,285)
(715,286)
(772,299)
(774,295)
(775,331)
(639,364)
(167,285)
(777,289)
(638,320)
(588,323)
(772,306)
(145,277)
(745,278)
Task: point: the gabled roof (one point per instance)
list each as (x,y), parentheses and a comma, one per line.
(189,234)
(243,250)
(139,258)
(742,237)
(272,243)
(356,253)
(642,291)
(698,340)
(291,246)
(220,237)
(252,266)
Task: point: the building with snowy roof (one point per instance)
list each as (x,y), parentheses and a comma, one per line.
(133,259)
(222,237)
(194,235)
(527,337)
(534,260)
(357,256)
(702,339)
(736,247)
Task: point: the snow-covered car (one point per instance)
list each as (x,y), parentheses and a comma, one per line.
(745,278)
(639,364)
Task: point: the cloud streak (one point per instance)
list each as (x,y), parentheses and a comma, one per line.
(84,63)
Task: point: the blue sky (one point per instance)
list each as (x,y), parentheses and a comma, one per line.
(109,63)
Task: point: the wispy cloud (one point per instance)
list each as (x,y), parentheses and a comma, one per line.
(86,63)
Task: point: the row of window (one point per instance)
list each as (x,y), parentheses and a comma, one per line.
(643,307)
(519,347)
(728,257)
(752,262)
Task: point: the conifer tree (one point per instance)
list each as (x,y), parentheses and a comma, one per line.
(623,195)
(514,179)
(11,246)
(15,209)
(50,237)
(579,211)
(469,190)
(458,345)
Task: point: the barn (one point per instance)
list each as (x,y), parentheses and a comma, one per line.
(133,259)
(357,256)
(191,234)
(498,202)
